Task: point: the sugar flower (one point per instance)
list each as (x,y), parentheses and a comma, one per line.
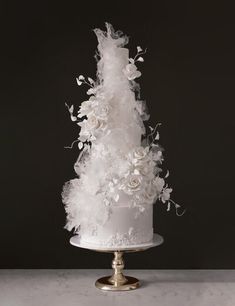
(131,72)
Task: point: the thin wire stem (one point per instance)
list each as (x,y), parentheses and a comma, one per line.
(176,208)
(72,144)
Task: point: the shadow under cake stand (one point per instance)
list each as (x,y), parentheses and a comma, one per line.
(118,281)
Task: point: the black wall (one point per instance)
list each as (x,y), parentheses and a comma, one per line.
(188,83)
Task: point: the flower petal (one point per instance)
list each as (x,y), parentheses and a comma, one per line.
(91,80)
(140,59)
(78,82)
(80,145)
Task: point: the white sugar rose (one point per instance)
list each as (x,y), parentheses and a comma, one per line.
(131,72)
(92,123)
(102,111)
(139,157)
(131,184)
(134,182)
(140,153)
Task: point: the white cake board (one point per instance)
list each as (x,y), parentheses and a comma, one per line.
(157,240)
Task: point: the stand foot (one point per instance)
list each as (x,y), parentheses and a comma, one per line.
(104,283)
(118,281)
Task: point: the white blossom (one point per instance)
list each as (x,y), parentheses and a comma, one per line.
(85,109)
(131,72)
(165,195)
(71,109)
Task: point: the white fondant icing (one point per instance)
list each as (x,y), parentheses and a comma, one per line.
(123,228)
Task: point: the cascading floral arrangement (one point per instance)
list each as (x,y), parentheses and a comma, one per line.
(118,163)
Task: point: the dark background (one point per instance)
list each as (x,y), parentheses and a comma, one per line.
(188,83)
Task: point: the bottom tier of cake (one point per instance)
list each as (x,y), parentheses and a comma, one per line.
(126,226)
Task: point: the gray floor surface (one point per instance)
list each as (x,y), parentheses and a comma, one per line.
(76,287)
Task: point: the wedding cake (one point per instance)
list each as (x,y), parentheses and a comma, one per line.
(110,202)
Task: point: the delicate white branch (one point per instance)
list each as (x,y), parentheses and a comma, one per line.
(140,53)
(176,208)
(70,147)
(153,132)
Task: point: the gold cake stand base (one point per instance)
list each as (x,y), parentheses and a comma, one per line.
(104,283)
(117,281)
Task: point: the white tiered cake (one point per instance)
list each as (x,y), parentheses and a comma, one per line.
(110,203)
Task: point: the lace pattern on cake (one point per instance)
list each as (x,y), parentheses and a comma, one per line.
(133,237)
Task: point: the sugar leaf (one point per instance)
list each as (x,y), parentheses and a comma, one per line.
(81,77)
(73,118)
(168,206)
(110,184)
(116,198)
(140,59)
(139,49)
(131,60)
(78,82)
(136,171)
(71,109)
(167,174)
(91,80)
(157,136)
(90,91)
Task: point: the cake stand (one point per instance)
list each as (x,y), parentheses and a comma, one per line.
(117,281)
